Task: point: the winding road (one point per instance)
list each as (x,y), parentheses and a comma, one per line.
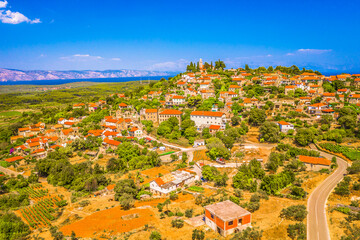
(317,227)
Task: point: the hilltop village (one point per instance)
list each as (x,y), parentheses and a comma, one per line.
(212,153)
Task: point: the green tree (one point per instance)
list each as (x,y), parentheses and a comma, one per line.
(297,231)
(304,136)
(270,132)
(155,236)
(198,234)
(257,117)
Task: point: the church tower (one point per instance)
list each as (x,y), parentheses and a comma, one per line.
(201,64)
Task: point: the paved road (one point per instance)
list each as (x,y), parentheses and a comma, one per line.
(317,227)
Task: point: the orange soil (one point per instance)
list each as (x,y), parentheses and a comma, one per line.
(154,172)
(111,221)
(200,155)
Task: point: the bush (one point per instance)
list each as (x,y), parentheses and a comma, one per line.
(235,199)
(253,206)
(297,231)
(189,213)
(198,234)
(248,234)
(177,223)
(295,213)
(173,196)
(155,236)
(255,198)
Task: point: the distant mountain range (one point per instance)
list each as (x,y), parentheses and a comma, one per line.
(19,75)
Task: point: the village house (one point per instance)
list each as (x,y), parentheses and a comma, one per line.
(135,132)
(203,119)
(285,126)
(205,94)
(78,105)
(92,107)
(234,88)
(166,114)
(315,163)
(227,96)
(190,92)
(227,217)
(289,88)
(112,144)
(170,182)
(204,85)
(150,115)
(214,129)
(178,100)
(316,108)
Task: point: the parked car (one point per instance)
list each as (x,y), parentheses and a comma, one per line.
(220,160)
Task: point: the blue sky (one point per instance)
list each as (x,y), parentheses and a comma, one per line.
(166,35)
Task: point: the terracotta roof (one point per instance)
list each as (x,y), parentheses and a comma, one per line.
(283,123)
(34,144)
(55,146)
(111,142)
(318,105)
(214,127)
(329,94)
(207,113)
(314,160)
(171,112)
(328,110)
(13,159)
(23,129)
(123,105)
(66,131)
(234,86)
(151,110)
(133,129)
(178,97)
(69,123)
(110,187)
(292,86)
(38,151)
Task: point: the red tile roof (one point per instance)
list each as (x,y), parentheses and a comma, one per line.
(314,160)
(214,127)
(13,159)
(207,113)
(283,123)
(151,110)
(171,112)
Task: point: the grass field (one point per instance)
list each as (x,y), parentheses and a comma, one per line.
(10,114)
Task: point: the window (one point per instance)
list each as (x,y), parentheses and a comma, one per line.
(212,216)
(231,223)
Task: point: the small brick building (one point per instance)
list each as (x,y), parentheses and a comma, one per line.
(227,217)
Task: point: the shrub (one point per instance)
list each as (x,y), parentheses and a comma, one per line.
(297,231)
(253,206)
(198,234)
(189,213)
(177,223)
(248,234)
(155,236)
(173,196)
(295,213)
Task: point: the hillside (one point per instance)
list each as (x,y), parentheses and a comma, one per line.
(20,75)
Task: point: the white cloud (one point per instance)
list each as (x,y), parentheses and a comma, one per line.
(15,18)
(3,4)
(116,59)
(314,51)
(81,57)
(290,54)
